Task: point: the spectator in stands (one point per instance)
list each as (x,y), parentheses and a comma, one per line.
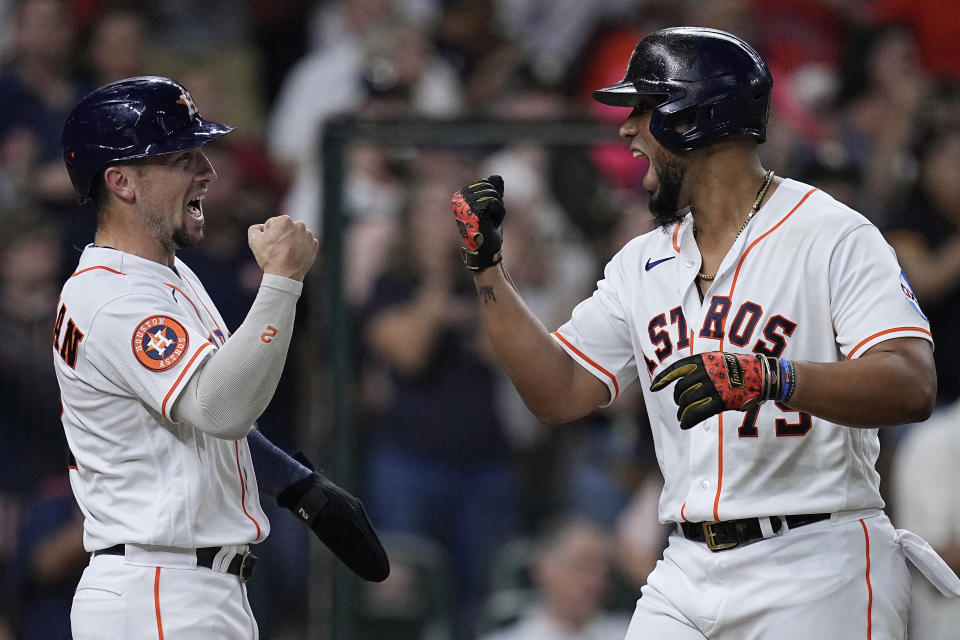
(883,100)
(38,87)
(439,460)
(118,44)
(30,272)
(571,574)
(374,193)
(37,90)
(469,37)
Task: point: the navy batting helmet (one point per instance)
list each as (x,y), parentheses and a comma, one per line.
(704,85)
(127,119)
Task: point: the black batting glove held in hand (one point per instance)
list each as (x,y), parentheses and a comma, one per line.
(339,520)
(715,381)
(479,212)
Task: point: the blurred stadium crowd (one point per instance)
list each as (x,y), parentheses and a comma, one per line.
(491,518)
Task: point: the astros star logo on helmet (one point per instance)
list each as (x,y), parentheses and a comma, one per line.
(187,100)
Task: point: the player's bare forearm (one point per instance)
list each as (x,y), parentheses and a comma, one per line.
(893,383)
(554,387)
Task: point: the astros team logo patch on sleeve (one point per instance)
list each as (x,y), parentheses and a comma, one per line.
(159,342)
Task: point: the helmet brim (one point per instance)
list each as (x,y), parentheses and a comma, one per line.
(200,134)
(625,94)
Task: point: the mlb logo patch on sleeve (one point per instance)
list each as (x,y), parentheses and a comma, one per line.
(911,296)
(159,342)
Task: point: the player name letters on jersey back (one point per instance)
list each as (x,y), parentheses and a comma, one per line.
(767,298)
(128,335)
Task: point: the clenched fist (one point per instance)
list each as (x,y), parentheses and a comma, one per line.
(283,247)
(479,212)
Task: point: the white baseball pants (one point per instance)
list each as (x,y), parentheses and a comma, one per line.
(845,577)
(159,596)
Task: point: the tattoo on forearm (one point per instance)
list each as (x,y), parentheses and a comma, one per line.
(486,294)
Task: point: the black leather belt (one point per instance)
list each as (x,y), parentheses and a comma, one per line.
(728,534)
(242,564)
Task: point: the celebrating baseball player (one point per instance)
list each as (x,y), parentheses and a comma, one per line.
(771,331)
(159,399)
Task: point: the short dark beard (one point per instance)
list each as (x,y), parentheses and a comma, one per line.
(665,202)
(183,240)
(170,240)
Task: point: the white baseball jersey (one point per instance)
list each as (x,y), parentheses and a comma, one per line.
(129,334)
(808,279)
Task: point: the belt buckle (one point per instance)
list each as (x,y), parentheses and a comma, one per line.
(247,563)
(710,537)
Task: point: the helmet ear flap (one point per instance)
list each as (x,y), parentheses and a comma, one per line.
(708,111)
(685,121)
(759,110)
(673,123)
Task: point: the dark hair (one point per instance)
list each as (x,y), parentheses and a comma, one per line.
(98,188)
(98,191)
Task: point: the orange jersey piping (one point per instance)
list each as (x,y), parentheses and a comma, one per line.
(716,498)
(616,387)
(163,407)
(866,539)
(156,603)
(119,273)
(884,332)
(763,236)
(243,489)
(733,285)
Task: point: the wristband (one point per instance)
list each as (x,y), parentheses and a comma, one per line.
(788,380)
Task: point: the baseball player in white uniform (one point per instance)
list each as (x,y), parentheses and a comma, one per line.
(159,399)
(771,330)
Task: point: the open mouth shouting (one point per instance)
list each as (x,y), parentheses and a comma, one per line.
(195,208)
(650,177)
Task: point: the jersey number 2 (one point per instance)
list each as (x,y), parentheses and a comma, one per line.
(748,428)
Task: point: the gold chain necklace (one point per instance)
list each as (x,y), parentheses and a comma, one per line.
(767,179)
